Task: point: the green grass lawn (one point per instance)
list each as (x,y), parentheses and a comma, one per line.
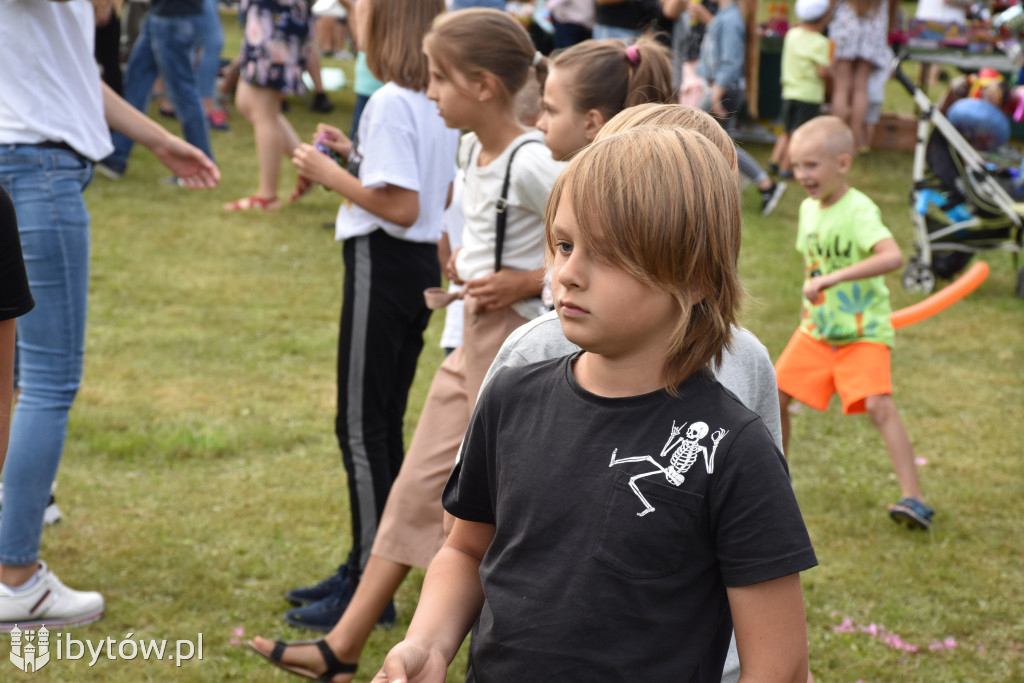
(202,478)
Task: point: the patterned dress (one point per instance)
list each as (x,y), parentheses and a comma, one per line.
(276,43)
(861,37)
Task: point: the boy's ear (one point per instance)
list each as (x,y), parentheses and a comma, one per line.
(844,161)
(593,121)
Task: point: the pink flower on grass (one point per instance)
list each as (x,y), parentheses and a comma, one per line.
(236,636)
(893,640)
(845,627)
(920,462)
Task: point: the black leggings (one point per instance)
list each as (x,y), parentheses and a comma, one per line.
(383,317)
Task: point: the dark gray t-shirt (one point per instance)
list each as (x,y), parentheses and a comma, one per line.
(15,297)
(618,525)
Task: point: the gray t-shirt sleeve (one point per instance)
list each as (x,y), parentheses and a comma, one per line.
(540,339)
(747,371)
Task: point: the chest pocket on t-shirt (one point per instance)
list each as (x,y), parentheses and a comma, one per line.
(655,544)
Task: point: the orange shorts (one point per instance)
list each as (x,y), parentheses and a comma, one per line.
(811,371)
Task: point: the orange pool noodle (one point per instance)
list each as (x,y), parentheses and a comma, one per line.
(942,299)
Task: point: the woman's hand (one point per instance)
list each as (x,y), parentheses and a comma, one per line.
(186,161)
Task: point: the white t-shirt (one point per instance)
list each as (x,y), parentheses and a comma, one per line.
(451,225)
(49,83)
(533,174)
(402,141)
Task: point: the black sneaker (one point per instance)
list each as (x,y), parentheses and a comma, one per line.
(321,104)
(334,583)
(770,197)
(324,614)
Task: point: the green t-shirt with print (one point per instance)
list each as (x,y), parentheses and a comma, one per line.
(834,238)
(803,52)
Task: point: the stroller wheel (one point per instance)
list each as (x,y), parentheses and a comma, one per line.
(918,278)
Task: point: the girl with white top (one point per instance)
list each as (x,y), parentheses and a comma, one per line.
(395,187)
(479,59)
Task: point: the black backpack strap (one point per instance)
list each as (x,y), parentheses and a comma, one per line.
(502,205)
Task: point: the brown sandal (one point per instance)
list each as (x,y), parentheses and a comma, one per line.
(334,666)
(254,202)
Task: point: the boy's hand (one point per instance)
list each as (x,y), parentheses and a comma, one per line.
(885,258)
(411,663)
(814,289)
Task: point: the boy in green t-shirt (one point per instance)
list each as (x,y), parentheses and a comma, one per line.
(806,63)
(844,339)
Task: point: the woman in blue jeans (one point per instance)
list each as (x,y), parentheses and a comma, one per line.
(172,34)
(46,162)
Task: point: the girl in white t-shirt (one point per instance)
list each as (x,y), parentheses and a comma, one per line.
(479,59)
(394,189)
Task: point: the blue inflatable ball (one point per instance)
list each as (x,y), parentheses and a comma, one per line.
(980,122)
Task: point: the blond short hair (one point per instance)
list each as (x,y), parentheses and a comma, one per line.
(830,132)
(681,115)
(396,29)
(477,40)
(662,204)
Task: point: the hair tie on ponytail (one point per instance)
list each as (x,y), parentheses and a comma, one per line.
(633,54)
(537,56)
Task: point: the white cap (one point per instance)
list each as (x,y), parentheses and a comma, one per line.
(811,10)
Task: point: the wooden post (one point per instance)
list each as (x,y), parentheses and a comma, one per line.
(749,9)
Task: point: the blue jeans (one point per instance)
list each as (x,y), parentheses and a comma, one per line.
(567,35)
(46,186)
(213,43)
(628,36)
(167,47)
(357,113)
(466,4)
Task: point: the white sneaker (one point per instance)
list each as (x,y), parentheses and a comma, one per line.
(48,602)
(51,515)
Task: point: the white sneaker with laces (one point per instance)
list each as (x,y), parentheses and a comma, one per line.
(48,602)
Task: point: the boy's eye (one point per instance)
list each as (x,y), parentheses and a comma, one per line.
(563,247)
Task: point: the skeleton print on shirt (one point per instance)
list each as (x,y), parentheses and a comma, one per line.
(684,450)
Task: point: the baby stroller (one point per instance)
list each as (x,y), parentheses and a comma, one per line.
(958,204)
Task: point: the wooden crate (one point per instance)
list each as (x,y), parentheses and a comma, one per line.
(895,131)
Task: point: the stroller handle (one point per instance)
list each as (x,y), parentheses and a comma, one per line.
(897,71)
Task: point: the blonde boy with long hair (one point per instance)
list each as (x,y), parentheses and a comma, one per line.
(580,475)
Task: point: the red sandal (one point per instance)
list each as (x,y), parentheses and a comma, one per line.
(302,186)
(254,202)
